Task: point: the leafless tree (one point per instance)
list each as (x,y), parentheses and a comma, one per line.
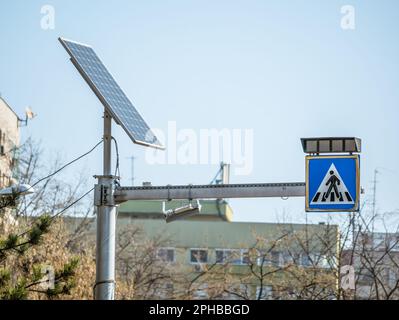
(28,223)
(374,257)
(143,273)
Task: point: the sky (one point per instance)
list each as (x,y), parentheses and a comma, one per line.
(283,69)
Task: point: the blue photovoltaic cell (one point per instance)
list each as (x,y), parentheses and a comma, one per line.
(109,93)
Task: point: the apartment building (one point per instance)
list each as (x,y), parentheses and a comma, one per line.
(243,252)
(375,259)
(9,140)
(231,260)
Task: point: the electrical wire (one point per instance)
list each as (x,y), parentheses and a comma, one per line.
(58,170)
(62,211)
(117,172)
(70,205)
(16,194)
(68,164)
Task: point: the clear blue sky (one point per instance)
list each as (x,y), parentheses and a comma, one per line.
(285,69)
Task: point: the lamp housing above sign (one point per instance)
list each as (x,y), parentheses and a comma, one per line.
(331,145)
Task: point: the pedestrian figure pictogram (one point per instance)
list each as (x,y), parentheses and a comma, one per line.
(333,182)
(332,189)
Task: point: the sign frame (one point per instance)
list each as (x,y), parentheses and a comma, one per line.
(356,205)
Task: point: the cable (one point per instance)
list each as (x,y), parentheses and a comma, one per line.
(58,170)
(72,204)
(62,211)
(16,194)
(64,166)
(117,172)
(69,163)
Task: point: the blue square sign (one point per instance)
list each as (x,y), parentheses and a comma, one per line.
(332,183)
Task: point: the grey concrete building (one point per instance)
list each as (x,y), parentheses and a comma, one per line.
(9,140)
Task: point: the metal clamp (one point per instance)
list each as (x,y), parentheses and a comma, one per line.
(190,197)
(103,195)
(169,198)
(284,197)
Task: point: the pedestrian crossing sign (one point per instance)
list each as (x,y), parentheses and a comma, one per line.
(332,183)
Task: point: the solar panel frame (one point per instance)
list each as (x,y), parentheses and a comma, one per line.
(119,119)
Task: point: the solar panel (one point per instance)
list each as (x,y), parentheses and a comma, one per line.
(110,94)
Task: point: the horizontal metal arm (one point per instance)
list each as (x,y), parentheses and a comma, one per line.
(218,191)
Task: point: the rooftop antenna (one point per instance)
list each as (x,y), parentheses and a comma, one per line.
(28,115)
(223,174)
(132,159)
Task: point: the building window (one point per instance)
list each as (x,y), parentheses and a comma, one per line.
(287,259)
(265,294)
(276,259)
(392,277)
(166,254)
(305,260)
(221,256)
(320,261)
(273,258)
(237,292)
(366,277)
(245,257)
(2,143)
(393,243)
(165,291)
(198,256)
(201,292)
(379,241)
(262,259)
(232,256)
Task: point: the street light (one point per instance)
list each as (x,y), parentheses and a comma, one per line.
(193,208)
(331,145)
(19,190)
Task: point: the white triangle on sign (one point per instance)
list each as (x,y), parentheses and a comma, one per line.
(332,190)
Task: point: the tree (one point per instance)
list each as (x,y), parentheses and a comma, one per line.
(295,262)
(143,271)
(374,257)
(292,264)
(34,261)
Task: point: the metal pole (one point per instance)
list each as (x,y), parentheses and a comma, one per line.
(218,191)
(106,219)
(374,199)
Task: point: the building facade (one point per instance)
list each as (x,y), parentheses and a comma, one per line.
(9,141)
(208,256)
(238,260)
(375,259)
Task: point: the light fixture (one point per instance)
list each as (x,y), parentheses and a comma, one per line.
(193,208)
(331,145)
(18,190)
